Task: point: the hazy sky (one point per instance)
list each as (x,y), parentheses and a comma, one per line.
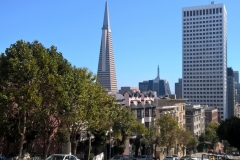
(145,33)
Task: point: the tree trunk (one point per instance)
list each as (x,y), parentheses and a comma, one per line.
(74,147)
(48,146)
(167,150)
(155,150)
(89,147)
(22,133)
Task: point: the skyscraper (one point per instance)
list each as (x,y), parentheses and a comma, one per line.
(178,89)
(230,92)
(204,56)
(158,85)
(106,66)
(236,76)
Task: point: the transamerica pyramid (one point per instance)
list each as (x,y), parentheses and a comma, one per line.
(106,66)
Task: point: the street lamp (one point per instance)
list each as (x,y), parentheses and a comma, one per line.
(110,131)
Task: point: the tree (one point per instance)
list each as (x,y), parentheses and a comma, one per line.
(192,143)
(85,104)
(183,138)
(52,69)
(168,131)
(31,78)
(211,133)
(125,123)
(19,83)
(230,130)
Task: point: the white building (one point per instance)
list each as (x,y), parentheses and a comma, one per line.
(204,56)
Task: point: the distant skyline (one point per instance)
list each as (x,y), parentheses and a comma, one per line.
(145,34)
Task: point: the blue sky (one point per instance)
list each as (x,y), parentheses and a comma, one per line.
(145,33)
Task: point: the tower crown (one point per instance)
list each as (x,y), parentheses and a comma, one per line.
(106,22)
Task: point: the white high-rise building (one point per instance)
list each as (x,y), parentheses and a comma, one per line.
(204,56)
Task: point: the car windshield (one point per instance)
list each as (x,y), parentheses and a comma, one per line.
(141,156)
(56,157)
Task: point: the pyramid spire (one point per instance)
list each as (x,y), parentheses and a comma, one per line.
(106,66)
(106,22)
(158,77)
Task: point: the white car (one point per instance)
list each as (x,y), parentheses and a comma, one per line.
(62,157)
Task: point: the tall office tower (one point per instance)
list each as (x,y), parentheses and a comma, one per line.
(230,92)
(178,89)
(106,66)
(158,85)
(204,56)
(236,76)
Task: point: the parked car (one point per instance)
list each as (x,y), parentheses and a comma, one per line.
(117,157)
(124,157)
(3,158)
(170,158)
(185,158)
(176,157)
(62,157)
(144,157)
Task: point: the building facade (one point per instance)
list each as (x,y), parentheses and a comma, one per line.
(230,92)
(171,105)
(204,56)
(236,76)
(178,89)
(211,115)
(106,66)
(158,85)
(195,119)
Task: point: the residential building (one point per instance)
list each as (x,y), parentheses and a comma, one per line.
(204,56)
(178,89)
(106,67)
(176,108)
(171,105)
(144,108)
(158,85)
(230,92)
(211,115)
(142,104)
(195,119)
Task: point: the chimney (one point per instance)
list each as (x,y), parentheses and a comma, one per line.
(212,2)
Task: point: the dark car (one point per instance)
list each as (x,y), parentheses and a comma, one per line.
(185,158)
(3,158)
(144,157)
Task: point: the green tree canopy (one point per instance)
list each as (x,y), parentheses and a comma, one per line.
(230,130)
(168,131)
(28,73)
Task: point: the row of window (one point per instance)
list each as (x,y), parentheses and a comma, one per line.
(200,18)
(206,100)
(204,81)
(201,53)
(200,22)
(198,73)
(202,89)
(214,84)
(202,12)
(202,26)
(204,61)
(204,93)
(208,96)
(202,57)
(203,30)
(200,65)
(197,77)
